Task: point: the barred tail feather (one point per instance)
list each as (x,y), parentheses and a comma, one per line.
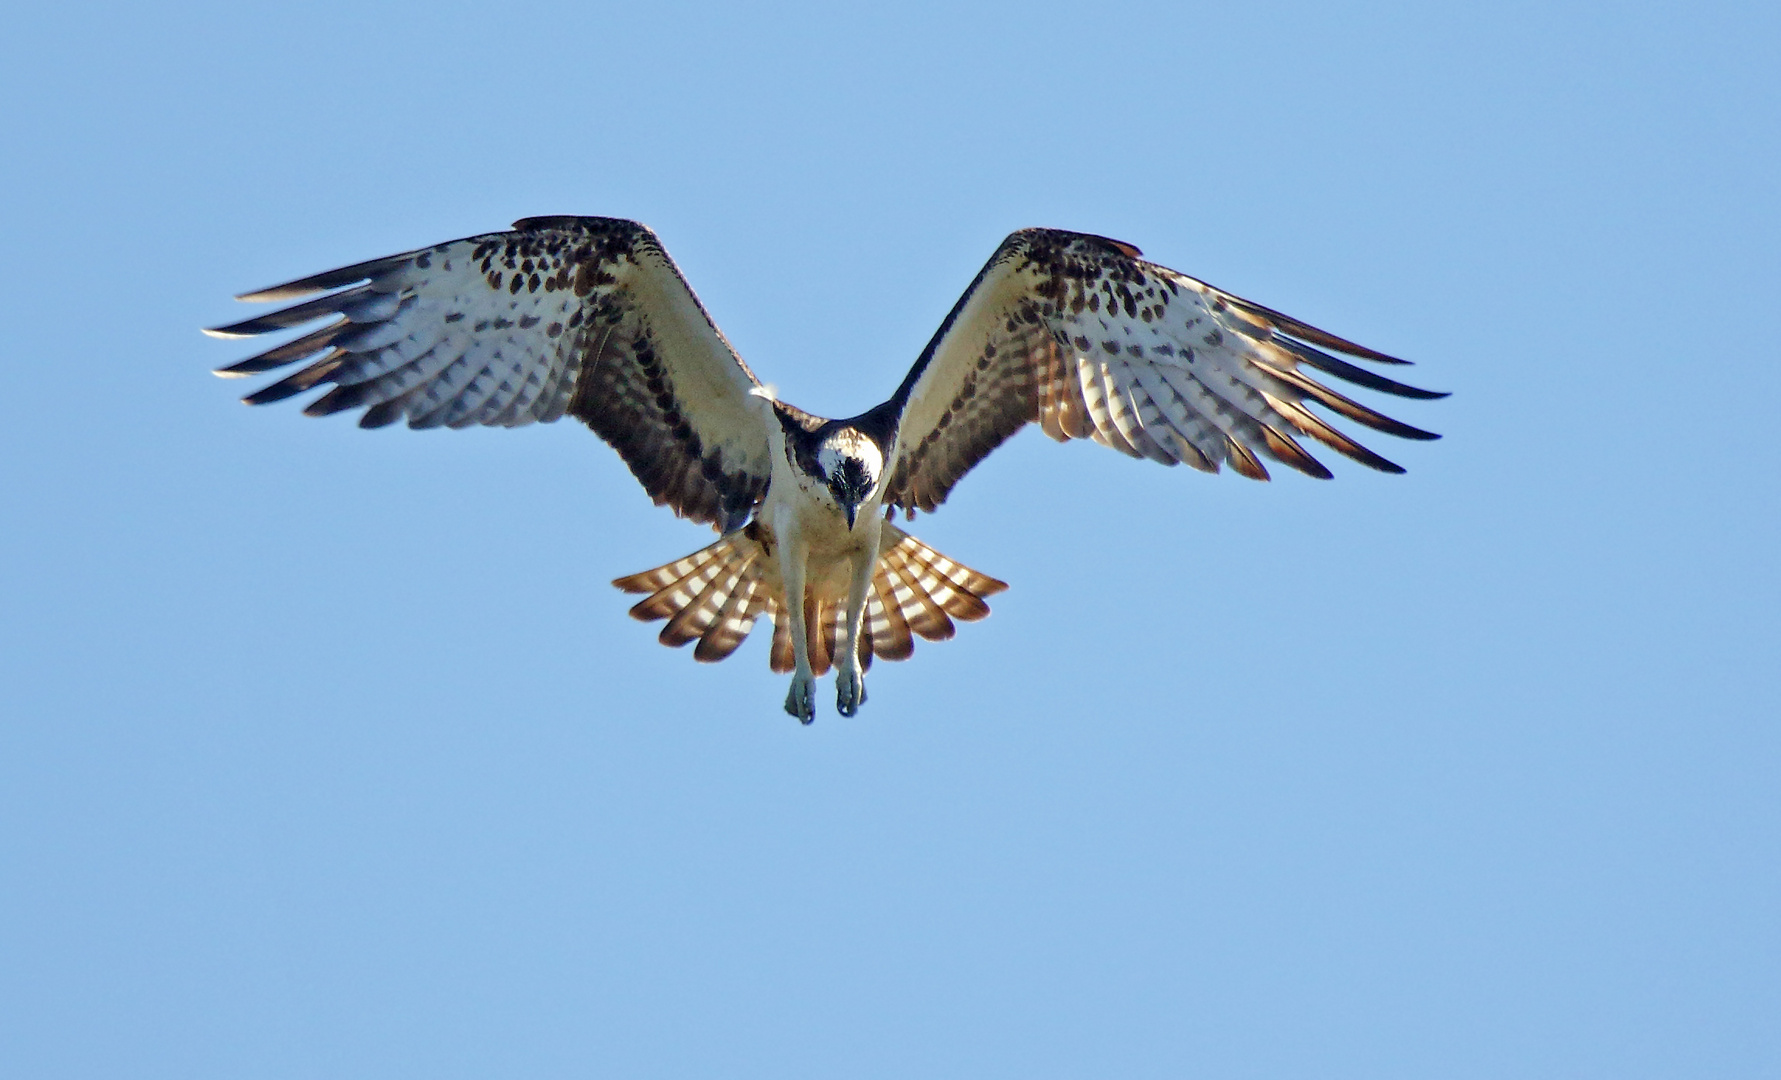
(958,589)
(781,658)
(732,625)
(915,589)
(715,595)
(885,623)
(924,616)
(712,596)
(692,621)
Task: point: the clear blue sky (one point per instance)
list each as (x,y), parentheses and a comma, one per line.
(332,753)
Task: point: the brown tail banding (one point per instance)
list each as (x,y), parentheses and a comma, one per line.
(715,595)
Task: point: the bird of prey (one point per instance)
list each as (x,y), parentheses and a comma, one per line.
(589,316)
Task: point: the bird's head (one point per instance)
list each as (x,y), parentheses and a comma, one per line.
(852,466)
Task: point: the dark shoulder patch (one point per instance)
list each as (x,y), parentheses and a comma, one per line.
(880,425)
(794,418)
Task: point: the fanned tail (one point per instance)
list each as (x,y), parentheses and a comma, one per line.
(918,591)
(713,595)
(716,594)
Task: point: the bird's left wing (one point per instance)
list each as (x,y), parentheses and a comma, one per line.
(582,315)
(1083,336)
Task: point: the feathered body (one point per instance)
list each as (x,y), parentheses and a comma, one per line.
(590,317)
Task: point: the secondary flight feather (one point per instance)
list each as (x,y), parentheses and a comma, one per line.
(589,317)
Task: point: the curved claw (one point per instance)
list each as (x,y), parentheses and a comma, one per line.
(801,701)
(850,690)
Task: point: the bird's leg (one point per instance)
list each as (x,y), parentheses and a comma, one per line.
(850,681)
(801,700)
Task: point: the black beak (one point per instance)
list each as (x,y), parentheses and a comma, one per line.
(849,490)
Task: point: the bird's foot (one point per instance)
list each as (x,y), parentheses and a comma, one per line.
(850,690)
(801,701)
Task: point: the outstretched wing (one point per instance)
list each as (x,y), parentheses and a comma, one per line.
(1081,335)
(582,315)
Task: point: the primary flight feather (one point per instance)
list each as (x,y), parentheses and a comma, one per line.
(589,316)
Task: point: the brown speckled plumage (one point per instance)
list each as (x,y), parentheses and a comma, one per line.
(589,317)
(1082,336)
(561,315)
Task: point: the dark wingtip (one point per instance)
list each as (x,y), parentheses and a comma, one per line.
(278,391)
(1348,372)
(383,414)
(307,379)
(328,279)
(336,400)
(244,328)
(291,290)
(1304,330)
(244,368)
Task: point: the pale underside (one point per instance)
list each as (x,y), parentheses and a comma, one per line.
(590,317)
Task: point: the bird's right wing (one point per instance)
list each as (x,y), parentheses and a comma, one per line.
(1084,337)
(582,315)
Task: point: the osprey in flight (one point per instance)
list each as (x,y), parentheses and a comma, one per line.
(589,316)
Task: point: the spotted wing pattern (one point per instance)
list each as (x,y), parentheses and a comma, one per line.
(1081,335)
(587,316)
